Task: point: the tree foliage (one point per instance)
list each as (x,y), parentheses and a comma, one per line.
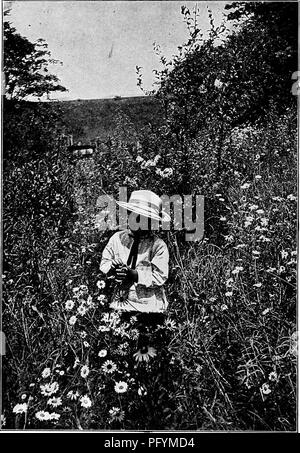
(26,67)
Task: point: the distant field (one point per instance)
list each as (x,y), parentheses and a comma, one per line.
(88,119)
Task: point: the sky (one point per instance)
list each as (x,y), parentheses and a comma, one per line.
(101,42)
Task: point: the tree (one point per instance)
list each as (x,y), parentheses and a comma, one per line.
(26,66)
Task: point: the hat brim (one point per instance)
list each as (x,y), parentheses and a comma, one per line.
(144,212)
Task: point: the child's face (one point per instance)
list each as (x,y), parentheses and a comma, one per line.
(138,222)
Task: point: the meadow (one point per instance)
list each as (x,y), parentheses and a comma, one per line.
(230,356)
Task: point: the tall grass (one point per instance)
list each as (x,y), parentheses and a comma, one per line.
(231,329)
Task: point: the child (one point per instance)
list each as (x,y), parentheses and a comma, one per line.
(139,261)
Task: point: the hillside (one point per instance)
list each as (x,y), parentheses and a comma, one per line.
(88,119)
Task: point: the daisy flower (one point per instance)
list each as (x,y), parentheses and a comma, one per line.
(121,387)
(43,415)
(103,329)
(170,324)
(84,371)
(144,354)
(245,186)
(109,367)
(55,401)
(102,353)
(54,416)
(72,395)
(265,389)
(85,401)
(101,284)
(82,310)
(273,376)
(20,408)
(101,298)
(116,414)
(49,389)
(142,391)
(72,320)
(24,396)
(122,349)
(69,304)
(46,373)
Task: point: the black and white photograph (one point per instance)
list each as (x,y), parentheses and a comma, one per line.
(149,215)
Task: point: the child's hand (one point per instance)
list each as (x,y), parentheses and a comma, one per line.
(126,275)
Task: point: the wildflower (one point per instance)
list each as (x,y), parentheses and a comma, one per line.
(218,83)
(103,328)
(84,371)
(284,254)
(49,389)
(82,310)
(253,207)
(55,401)
(255,253)
(116,414)
(223,219)
(101,298)
(257,285)
(89,301)
(281,269)
(109,367)
(122,349)
(228,293)
(139,159)
(24,396)
(43,415)
(291,197)
(237,270)
(264,221)
(100,284)
(144,353)
(121,387)
(134,334)
(83,334)
(75,290)
(245,186)
(69,304)
(20,408)
(86,344)
(265,389)
(72,320)
(85,401)
(142,391)
(83,288)
(224,307)
(54,416)
(229,282)
(273,376)
(46,373)
(72,395)
(170,324)
(102,353)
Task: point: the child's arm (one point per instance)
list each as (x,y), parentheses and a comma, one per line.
(108,260)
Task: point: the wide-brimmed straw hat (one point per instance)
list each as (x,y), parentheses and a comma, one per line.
(145,203)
